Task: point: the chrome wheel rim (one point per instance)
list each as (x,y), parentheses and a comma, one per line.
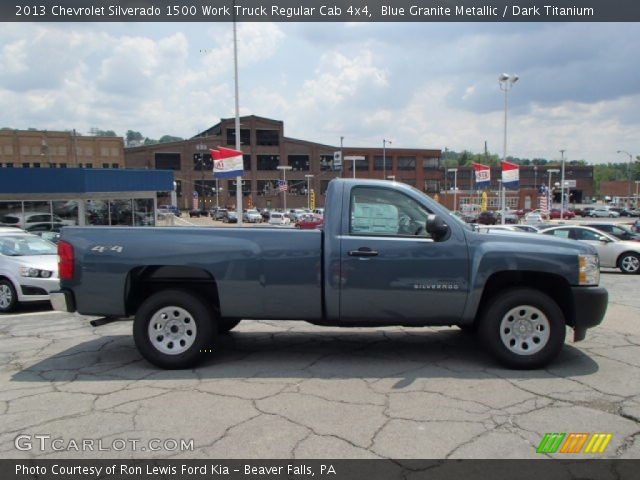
(525,330)
(5,296)
(172,330)
(630,263)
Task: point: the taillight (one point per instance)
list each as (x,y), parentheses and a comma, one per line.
(65,260)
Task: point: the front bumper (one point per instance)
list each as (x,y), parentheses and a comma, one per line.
(590,305)
(63,301)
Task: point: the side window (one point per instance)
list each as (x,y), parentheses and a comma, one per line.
(562,233)
(587,235)
(386,212)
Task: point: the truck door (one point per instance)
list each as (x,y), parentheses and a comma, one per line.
(391,270)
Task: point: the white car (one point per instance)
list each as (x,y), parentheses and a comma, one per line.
(252,216)
(277,218)
(31,219)
(613,253)
(28,268)
(603,212)
(533,218)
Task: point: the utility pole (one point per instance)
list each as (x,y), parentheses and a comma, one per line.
(562,186)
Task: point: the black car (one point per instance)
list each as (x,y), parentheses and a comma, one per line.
(198,213)
(618,231)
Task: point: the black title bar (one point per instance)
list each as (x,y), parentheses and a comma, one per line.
(320,11)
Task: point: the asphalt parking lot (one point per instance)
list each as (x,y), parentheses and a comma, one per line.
(293,390)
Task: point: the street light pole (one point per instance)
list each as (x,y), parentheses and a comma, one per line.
(384,157)
(550,171)
(562,187)
(201,147)
(341,158)
(455,186)
(284,169)
(506,82)
(308,177)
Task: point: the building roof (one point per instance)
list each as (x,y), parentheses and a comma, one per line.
(78,180)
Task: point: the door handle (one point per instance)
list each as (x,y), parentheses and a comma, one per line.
(363,252)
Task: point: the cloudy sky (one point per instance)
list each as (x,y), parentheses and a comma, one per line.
(425,85)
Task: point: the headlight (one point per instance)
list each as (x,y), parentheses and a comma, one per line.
(34,272)
(589,273)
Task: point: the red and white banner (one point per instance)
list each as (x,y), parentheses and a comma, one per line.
(227,163)
(483,175)
(510,175)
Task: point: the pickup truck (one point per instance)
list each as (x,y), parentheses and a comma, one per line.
(387,255)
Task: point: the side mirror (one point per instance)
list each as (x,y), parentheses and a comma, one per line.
(436,227)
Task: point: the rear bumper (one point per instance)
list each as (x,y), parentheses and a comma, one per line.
(590,305)
(63,301)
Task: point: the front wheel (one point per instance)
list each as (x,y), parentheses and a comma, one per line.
(523,328)
(629,263)
(8,296)
(174,329)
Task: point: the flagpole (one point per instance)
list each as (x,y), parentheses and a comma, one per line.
(239,177)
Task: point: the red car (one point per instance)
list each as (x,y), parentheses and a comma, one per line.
(310,222)
(555,214)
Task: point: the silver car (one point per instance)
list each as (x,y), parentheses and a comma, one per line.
(613,253)
(28,268)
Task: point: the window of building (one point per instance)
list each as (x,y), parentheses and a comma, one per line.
(167,161)
(324,184)
(326,162)
(202,161)
(267,188)
(26,165)
(79,165)
(299,162)
(246,162)
(88,165)
(9,165)
(362,165)
(267,137)
(268,162)
(432,162)
(36,164)
(379,165)
(115,165)
(245,136)
(431,186)
(246,188)
(53,165)
(408,181)
(63,165)
(406,163)
(105,165)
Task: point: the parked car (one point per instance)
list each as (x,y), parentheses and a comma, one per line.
(32,218)
(498,229)
(318,211)
(533,218)
(584,212)
(220,214)
(636,226)
(554,214)
(28,268)
(278,218)
(619,231)
(613,253)
(310,221)
(510,216)
(198,213)
(487,218)
(230,217)
(265,212)
(165,209)
(626,212)
(603,212)
(252,216)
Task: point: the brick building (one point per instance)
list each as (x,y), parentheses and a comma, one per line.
(47,149)
(266,147)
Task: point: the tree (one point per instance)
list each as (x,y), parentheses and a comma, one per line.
(102,133)
(133,138)
(169,138)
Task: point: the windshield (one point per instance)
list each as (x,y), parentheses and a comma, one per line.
(25,245)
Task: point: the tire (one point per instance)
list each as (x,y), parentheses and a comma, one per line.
(629,263)
(191,323)
(225,325)
(8,296)
(542,323)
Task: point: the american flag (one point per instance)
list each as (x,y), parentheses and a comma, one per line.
(282,186)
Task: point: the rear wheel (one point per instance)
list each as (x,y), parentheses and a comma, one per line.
(174,329)
(523,328)
(629,262)
(8,296)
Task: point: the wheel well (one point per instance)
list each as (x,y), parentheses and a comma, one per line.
(625,253)
(143,282)
(554,286)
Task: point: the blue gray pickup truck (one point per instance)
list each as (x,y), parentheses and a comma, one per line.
(387,255)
